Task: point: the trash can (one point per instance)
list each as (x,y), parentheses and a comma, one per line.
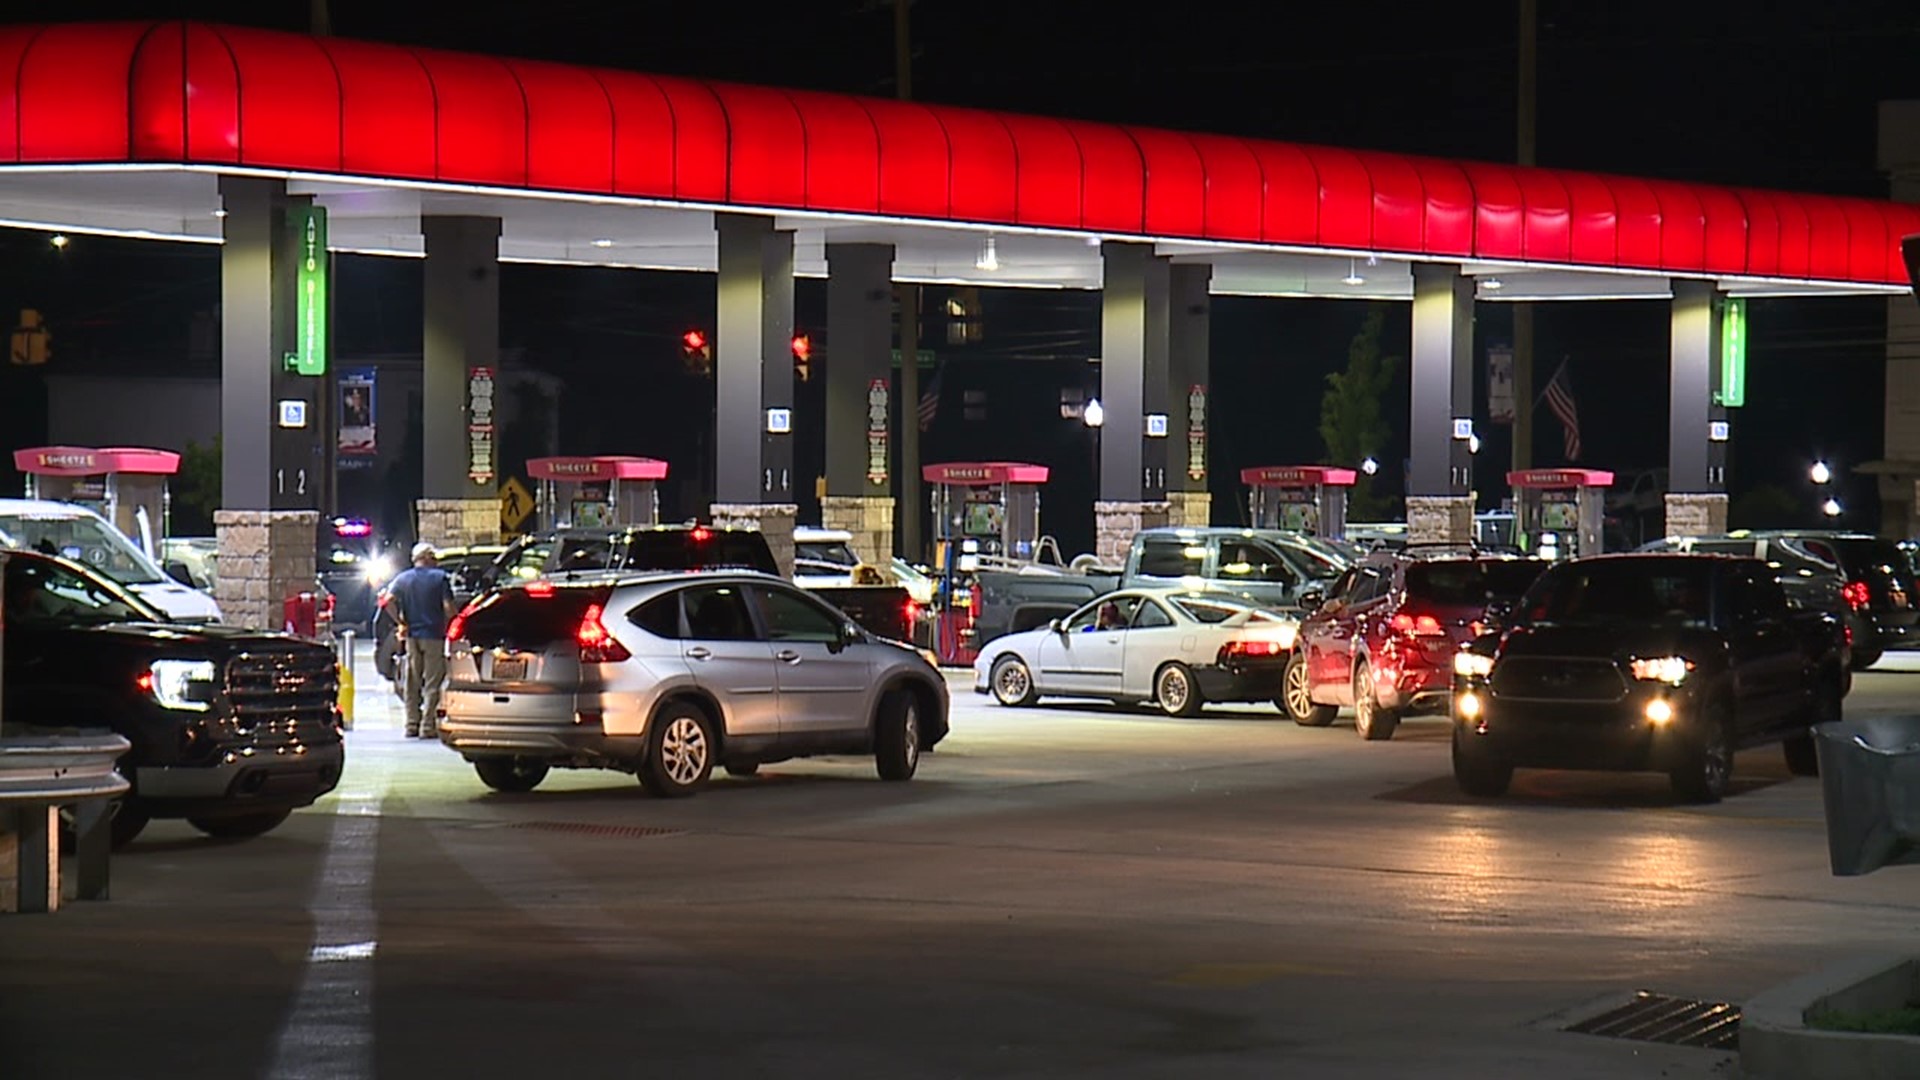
(1870,781)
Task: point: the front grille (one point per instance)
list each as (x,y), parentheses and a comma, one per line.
(1551,678)
(283,698)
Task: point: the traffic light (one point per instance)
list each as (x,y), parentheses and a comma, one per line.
(696,350)
(802,357)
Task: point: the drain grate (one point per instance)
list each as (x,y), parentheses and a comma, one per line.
(1658,1018)
(586,828)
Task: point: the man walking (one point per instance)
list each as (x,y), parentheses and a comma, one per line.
(422,599)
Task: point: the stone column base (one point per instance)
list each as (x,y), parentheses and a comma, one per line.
(869,518)
(1696,514)
(1190,509)
(774,519)
(1114,524)
(457,522)
(265,557)
(1439,519)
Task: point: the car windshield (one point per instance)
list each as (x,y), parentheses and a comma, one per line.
(697,549)
(1319,565)
(826,551)
(1624,591)
(83,539)
(45,593)
(1471,582)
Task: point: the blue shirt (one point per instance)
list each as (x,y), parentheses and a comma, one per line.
(423,593)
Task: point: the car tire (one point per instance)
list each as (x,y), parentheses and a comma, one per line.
(1802,758)
(742,769)
(1011,682)
(897,735)
(510,774)
(1866,658)
(1479,774)
(1708,769)
(1177,692)
(1373,722)
(237,826)
(1296,696)
(680,751)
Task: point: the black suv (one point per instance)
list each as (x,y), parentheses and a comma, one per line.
(1662,662)
(231,729)
(1872,575)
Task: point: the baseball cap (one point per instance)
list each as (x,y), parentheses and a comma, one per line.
(423,548)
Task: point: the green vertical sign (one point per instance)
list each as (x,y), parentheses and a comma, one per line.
(310,334)
(1733,353)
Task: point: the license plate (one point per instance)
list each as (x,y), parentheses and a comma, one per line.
(508,668)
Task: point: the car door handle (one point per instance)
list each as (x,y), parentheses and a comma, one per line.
(698,653)
(787,656)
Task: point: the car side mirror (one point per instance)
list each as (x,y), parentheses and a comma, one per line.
(849,634)
(1498,614)
(178,571)
(1312,599)
(1058,626)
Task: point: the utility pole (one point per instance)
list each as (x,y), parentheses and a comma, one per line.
(907,297)
(1522,311)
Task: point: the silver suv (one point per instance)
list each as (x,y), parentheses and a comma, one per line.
(667,675)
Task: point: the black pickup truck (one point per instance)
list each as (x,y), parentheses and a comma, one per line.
(231,729)
(1662,662)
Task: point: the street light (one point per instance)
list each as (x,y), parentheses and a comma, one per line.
(1831,508)
(1370,466)
(1820,473)
(60,241)
(1093,414)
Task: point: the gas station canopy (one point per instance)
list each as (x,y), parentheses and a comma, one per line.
(1559,478)
(73,461)
(123,128)
(1297,476)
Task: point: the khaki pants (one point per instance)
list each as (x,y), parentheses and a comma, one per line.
(426,677)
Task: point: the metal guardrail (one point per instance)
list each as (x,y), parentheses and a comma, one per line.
(1870,783)
(41,773)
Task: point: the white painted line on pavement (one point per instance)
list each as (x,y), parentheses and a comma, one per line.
(329,1033)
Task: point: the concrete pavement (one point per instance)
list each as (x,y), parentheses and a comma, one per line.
(1062,892)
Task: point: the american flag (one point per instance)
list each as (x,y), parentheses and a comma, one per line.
(1559,395)
(930,401)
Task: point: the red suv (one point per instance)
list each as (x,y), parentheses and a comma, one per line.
(1384,639)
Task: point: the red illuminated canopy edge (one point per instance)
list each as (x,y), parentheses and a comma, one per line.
(94,461)
(604,467)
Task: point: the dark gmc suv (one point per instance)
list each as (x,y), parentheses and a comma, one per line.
(231,729)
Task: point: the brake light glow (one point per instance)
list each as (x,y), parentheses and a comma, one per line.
(702,534)
(1418,625)
(457,629)
(597,646)
(1856,595)
(540,588)
(1245,649)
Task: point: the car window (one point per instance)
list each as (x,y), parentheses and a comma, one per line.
(1151,616)
(580,553)
(1242,560)
(791,617)
(1676,590)
(659,616)
(697,549)
(529,561)
(83,539)
(1369,585)
(48,594)
(1172,557)
(1209,611)
(827,551)
(1343,584)
(718,613)
(1471,582)
(1112,613)
(1313,562)
(1722,547)
(522,618)
(1757,596)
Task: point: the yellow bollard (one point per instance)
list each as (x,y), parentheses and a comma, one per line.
(345,668)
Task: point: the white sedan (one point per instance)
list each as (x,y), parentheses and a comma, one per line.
(1177,648)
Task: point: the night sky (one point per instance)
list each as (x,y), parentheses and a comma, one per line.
(1778,95)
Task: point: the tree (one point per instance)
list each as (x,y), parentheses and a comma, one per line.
(1768,506)
(1353,424)
(196,492)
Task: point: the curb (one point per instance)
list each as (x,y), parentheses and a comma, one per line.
(1777,1044)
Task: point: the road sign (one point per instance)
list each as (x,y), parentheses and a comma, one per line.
(516,504)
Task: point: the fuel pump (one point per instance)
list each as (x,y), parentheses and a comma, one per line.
(1559,513)
(596,492)
(981,510)
(126,485)
(1299,498)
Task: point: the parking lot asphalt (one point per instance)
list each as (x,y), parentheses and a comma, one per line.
(1070,890)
